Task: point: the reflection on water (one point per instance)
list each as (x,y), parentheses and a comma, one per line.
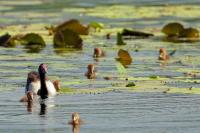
(76,129)
(29,106)
(34,50)
(110,112)
(42,108)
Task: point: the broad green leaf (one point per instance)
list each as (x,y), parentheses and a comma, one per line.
(67,39)
(189,33)
(172,29)
(32,39)
(73,25)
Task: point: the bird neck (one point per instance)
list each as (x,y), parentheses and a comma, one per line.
(43,90)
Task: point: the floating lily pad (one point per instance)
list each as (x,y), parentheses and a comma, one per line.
(127,32)
(131,84)
(73,25)
(172,29)
(6,40)
(189,33)
(154,77)
(124,57)
(32,39)
(96,25)
(67,39)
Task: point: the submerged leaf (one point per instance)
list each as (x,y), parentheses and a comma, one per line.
(172,29)
(73,25)
(67,39)
(124,57)
(32,39)
(127,32)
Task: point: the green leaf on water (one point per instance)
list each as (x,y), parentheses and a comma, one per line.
(96,25)
(31,39)
(73,25)
(131,84)
(189,33)
(6,40)
(128,32)
(172,29)
(154,77)
(67,39)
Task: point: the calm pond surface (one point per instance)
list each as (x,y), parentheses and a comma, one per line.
(106,106)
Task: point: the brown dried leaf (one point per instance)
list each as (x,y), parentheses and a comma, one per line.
(124,57)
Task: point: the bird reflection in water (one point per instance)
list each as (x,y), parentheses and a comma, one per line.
(75,122)
(29,101)
(42,108)
(29,106)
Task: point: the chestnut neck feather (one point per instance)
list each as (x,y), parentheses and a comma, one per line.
(43,90)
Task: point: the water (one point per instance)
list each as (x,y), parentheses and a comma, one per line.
(109,111)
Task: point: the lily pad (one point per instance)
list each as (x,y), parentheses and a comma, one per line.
(154,77)
(32,39)
(96,25)
(73,25)
(131,84)
(172,29)
(189,33)
(124,57)
(6,40)
(127,32)
(67,39)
